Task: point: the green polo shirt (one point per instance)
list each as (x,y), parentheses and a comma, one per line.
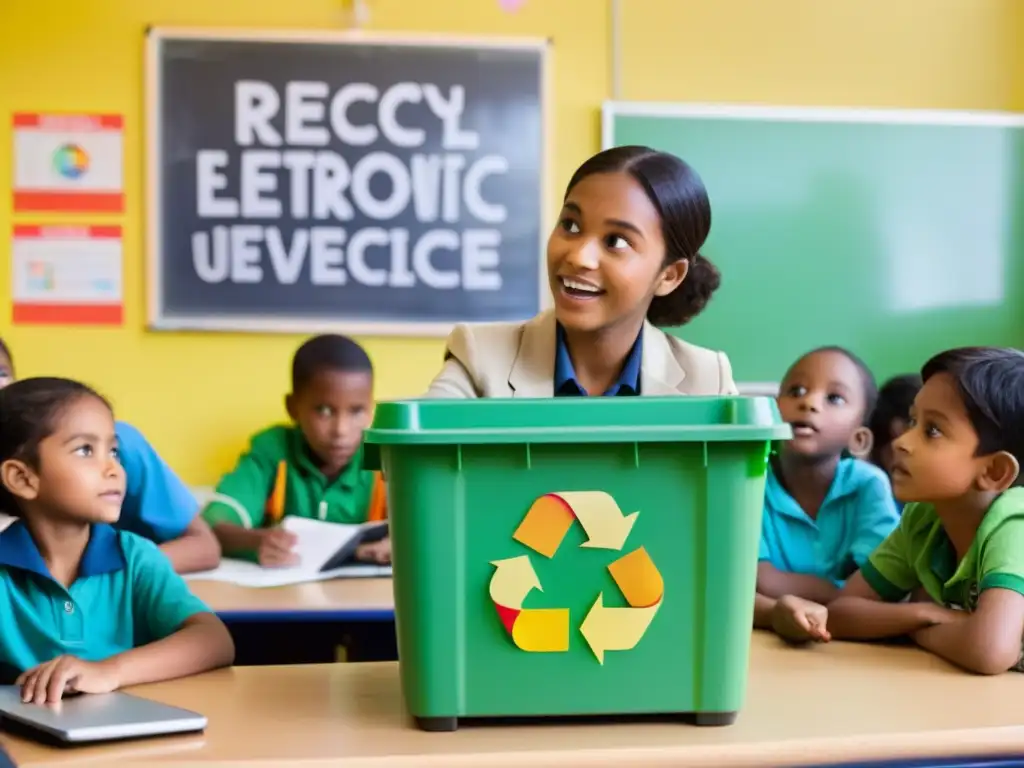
(918,553)
(126,595)
(241,496)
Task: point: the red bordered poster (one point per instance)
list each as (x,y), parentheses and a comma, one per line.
(67,275)
(68,163)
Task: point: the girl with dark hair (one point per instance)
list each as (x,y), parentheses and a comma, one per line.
(157,504)
(623,259)
(84,608)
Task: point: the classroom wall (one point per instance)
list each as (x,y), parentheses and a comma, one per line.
(930,54)
(197,396)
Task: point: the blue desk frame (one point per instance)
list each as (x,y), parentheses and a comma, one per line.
(309,616)
(941,762)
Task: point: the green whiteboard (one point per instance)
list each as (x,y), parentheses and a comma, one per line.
(894,233)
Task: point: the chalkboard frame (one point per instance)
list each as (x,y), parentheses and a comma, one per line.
(160,319)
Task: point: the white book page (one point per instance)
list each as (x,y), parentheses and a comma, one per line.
(246,574)
(318,541)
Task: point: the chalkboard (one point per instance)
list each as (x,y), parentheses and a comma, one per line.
(894,233)
(312,182)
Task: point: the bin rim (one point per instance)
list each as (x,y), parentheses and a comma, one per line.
(400,422)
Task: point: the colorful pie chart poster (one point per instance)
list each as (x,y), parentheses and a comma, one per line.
(68,163)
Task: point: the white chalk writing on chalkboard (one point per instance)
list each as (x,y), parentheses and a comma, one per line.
(287,173)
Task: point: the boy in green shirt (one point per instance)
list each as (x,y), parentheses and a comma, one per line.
(312,468)
(951,576)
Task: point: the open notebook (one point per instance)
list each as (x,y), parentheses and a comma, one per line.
(326,551)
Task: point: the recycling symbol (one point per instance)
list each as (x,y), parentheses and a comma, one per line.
(546,630)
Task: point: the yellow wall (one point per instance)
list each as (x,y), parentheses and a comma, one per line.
(932,54)
(198,395)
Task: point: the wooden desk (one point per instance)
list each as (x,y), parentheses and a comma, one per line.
(339,600)
(828,704)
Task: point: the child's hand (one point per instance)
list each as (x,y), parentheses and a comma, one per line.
(375,552)
(275,550)
(799,620)
(66,674)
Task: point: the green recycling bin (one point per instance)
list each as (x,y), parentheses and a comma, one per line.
(576,556)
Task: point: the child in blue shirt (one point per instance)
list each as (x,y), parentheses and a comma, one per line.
(157,504)
(825,509)
(83,607)
(951,576)
(890,419)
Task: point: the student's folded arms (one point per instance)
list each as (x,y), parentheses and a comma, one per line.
(951,576)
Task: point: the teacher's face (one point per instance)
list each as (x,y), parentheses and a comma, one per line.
(605,254)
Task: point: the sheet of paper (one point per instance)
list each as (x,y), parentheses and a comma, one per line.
(317,540)
(246,574)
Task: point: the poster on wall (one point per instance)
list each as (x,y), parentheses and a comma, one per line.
(357,184)
(66,275)
(66,163)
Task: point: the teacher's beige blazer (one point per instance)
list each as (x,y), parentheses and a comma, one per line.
(518,360)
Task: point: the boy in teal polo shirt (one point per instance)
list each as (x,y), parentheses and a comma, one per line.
(824,511)
(313,468)
(84,607)
(958,553)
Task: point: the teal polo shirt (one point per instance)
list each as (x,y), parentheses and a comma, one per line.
(126,595)
(856,516)
(565,381)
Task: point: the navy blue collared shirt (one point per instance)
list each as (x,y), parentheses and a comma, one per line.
(566,384)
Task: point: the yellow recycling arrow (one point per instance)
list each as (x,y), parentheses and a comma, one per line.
(513,580)
(615,629)
(540,630)
(551,516)
(542,529)
(620,629)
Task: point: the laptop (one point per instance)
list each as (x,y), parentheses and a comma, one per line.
(79,719)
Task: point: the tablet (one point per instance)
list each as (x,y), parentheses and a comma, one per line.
(87,717)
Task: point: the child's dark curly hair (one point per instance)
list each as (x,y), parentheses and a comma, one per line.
(678,194)
(29,410)
(894,401)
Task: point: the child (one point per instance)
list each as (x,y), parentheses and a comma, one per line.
(86,608)
(6,365)
(157,504)
(312,469)
(623,258)
(890,418)
(824,512)
(958,552)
